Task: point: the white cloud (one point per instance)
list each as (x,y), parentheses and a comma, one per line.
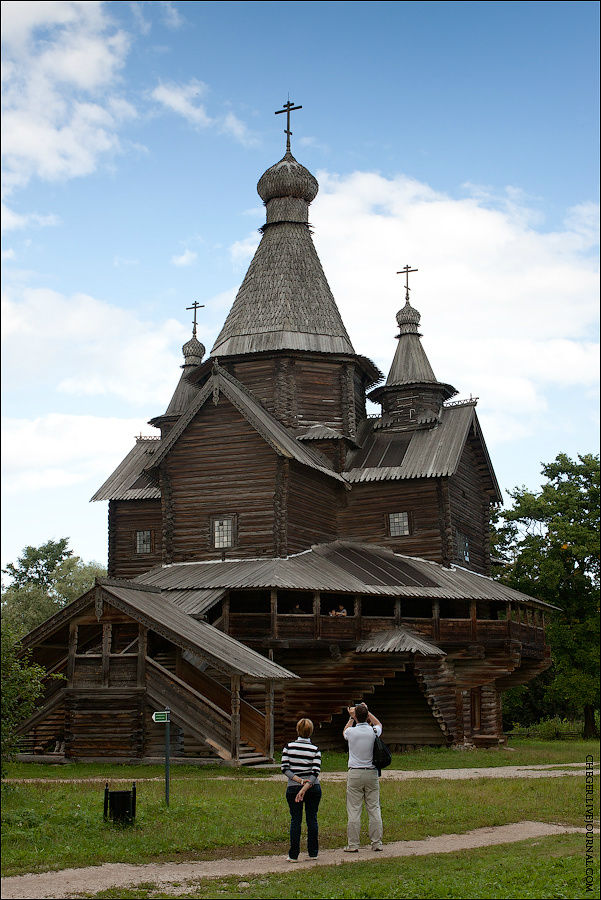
(58,450)
(62,62)
(8,254)
(184,99)
(188,100)
(185,259)
(172,17)
(12,221)
(509,311)
(85,347)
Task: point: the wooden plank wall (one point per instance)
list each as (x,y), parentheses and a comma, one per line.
(125,518)
(366,514)
(219,466)
(470,510)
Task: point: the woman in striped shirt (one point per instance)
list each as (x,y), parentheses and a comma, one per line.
(301,764)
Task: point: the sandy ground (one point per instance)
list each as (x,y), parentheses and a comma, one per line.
(553,770)
(178,877)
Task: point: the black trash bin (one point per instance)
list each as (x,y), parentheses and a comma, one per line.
(120,806)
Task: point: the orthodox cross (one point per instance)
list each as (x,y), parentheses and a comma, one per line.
(196,305)
(288,107)
(406,269)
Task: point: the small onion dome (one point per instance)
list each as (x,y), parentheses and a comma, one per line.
(408,319)
(287,178)
(193,352)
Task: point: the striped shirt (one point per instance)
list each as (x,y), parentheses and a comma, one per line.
(301,758)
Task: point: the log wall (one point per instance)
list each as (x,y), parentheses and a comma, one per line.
(126,517)
(470,511)
(311,508)
(365,516)
(220,466)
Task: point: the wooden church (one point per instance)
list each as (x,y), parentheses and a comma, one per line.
(274,551)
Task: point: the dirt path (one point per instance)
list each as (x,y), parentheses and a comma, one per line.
(551,770)
(172,877)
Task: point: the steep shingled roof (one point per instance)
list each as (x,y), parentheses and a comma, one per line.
(129,481)
(284,302)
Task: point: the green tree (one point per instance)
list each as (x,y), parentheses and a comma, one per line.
(549,541)
(21,687)
(38,591)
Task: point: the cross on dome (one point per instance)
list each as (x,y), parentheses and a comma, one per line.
(288,108)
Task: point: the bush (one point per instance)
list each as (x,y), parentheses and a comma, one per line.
(551,729)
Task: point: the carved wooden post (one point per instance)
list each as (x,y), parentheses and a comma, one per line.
(226,613)
(473,620)
(509,614)
(106,652)
(274,614)
(436,620)
(357,613)
(397,611)
(142,651)
(72,652)
(317,614)
(269,720)
(235,720)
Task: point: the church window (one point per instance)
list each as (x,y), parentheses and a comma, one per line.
(143,541)
(398,524)
(223,532)
(463,547)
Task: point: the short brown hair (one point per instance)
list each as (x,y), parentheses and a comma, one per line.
(304,728)
(361,712)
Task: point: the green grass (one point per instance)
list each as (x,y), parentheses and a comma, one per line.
(54,826)
(547,867)
(524,751)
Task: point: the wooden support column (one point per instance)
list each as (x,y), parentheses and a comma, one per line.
(274,615)
(436,620)
(235,721)
(357,612)
(509,614)
(226,613)
(107,630)
(397,611)
(142,651)
(317,614)
(473,620)
(269,719)
(72,652)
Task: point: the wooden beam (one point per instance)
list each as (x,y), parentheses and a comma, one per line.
(269,719)
(226,613)
(317,614)
(397,611)
(72,652)
(357,613)
(274,613)
(107,629)
(474,620)
(142,651)
(436,620)
(235,720)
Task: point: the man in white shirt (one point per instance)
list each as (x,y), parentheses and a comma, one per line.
(362,780)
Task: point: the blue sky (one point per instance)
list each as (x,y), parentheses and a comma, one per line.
(458,137)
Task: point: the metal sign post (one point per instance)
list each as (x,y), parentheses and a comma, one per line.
(163,716)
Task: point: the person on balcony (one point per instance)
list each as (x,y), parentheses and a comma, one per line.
(301,764)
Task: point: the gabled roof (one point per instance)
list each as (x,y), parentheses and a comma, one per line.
(420,453)
(129,480)
(156,610)
(338,567)
(272,431)
(398,640)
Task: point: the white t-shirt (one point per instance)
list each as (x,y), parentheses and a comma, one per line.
(361,741)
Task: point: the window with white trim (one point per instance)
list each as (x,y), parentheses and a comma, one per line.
(143,541)
(223,532)
(398,524)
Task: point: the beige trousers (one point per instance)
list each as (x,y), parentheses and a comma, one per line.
(363,785)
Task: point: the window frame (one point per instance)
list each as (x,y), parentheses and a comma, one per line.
(150,533)
(400,512)
(233,518)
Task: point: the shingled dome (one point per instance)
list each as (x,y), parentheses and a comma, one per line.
(287,178)
(284,302)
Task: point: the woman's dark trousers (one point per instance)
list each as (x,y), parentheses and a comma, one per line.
(311,804)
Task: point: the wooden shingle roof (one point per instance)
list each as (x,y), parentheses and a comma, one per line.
(129,480)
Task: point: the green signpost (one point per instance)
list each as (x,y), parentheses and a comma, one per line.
(163,717)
